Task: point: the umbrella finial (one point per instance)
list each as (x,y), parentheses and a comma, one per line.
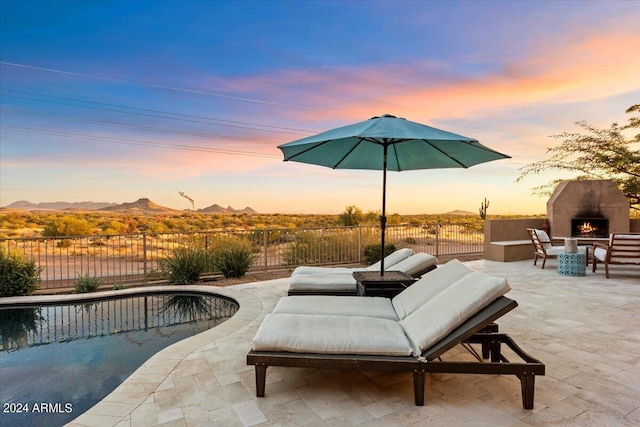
(384,115)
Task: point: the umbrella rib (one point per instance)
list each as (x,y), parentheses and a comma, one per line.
(446,154)
(505,156)
(395,155)
(348,152)
(308,149)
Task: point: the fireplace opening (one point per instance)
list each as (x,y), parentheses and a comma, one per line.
(590,227)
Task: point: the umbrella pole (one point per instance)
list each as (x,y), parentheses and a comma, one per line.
(383,218)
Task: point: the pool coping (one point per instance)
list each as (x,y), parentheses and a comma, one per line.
(150,376)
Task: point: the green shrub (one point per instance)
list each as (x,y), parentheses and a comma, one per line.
(67,226)
(185,265)
(372,252)
(309,248)
(86,284)
(18,275)
(233,257)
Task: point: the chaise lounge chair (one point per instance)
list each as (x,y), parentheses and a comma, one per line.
(307,280)
(449,306)
(391,259)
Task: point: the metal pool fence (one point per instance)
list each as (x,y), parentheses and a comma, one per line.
(127,258)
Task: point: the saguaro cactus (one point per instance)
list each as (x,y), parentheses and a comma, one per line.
(483,209)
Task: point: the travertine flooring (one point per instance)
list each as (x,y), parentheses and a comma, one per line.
(584,329)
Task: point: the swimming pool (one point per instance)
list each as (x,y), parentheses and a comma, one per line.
(59,359)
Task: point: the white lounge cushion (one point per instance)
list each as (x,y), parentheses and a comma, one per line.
(306,269)
(432,283)
(391,259)
(321,334)
(414,264)
(320,282)
(450,308)
(337,305)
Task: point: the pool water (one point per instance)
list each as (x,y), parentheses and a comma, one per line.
(58,361)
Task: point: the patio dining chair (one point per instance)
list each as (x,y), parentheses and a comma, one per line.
(543,246)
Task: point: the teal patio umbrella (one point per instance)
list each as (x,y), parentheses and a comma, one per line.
(388,143)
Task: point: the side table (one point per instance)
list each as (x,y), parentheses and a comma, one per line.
(572,264)
(370,283)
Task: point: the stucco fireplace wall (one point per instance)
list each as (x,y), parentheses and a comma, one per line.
(587,199)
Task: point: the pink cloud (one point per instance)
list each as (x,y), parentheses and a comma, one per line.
(580,67)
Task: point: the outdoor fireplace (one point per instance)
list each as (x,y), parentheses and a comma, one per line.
(589,227)
(599,204)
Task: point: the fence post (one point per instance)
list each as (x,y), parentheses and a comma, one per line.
(359,244)
(437,238)
(266,248)
(144,255)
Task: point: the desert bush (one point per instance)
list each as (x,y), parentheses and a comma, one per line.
(322,248)
(18,275)
(233,256)
(67,226)
(86,284)
(185,265)
(372,252)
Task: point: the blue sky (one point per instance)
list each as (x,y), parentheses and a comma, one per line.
(117,100)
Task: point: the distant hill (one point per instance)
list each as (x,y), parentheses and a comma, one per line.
(143,205)
(461,213)
(58,206)
(140,206)
(217,209)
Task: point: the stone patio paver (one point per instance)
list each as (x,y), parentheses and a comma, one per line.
(585,329)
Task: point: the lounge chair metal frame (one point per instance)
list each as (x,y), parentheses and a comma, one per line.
(479,329)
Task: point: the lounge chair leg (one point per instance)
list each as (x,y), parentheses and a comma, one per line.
(486,350)
(418,387)
(261,378)
(495,349)
(528,385)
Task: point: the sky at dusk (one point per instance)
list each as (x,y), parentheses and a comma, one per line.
(111,101)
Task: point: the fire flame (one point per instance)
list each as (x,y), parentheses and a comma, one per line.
(587,228)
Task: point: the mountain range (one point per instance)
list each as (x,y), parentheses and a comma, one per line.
(141,206)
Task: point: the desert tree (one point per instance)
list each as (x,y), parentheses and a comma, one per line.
(351,216)
(612,153)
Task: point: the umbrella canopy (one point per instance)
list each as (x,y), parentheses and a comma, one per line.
(389,143)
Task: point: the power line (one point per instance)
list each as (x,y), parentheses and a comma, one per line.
(130,126)
(163,114)
(129,141)
(131,82)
